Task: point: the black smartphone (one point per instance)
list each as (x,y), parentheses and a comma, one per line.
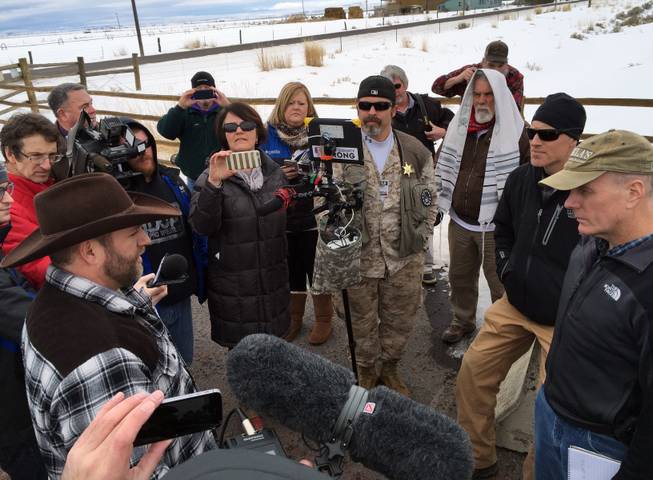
(203,94)
(178,416)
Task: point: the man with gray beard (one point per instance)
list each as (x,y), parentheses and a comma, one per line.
(485,141)
(397,218)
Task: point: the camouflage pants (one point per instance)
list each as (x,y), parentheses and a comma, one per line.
(383,313)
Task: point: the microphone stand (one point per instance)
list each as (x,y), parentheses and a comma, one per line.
(350,332)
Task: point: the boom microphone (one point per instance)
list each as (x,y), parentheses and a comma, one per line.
(393,435)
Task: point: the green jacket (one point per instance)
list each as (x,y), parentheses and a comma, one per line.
(196,133)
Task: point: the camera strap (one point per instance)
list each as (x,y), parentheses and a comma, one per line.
(332,453)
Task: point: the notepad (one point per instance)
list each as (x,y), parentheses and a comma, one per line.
(586,465)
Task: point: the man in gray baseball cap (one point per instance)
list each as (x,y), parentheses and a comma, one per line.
(599,386)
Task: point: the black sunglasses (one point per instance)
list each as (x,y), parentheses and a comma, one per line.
(245,126)
(378,106)
(6,188)
(546,134)
(398,86)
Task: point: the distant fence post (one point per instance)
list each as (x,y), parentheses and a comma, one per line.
(137,71)
(29,88)
(240,35)
(158,41)
(31,60)
(81,68)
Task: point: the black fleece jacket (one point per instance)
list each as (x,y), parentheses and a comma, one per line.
(534,236)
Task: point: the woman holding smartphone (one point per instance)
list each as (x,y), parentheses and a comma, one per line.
(247,278)
(287,142)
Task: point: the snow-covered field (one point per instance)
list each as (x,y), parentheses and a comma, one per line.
(603,64)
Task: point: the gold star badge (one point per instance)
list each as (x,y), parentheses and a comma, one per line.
(408,169)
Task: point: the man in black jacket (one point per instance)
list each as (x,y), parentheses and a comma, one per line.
(425,119)
(19,453)
(534,237)
(170,236)
(598,393)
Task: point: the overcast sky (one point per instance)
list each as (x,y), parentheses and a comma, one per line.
(47,15)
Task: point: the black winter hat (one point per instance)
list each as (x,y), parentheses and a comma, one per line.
(563,112)
(202,78)
(377,86)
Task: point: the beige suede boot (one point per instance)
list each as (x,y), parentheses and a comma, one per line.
(391,379)
(323,312)
(297,306)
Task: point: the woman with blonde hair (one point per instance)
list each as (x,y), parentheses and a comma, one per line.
(287,142)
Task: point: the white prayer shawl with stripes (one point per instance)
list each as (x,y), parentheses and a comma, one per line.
(503,154)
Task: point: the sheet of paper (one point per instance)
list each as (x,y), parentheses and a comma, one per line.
(586,465)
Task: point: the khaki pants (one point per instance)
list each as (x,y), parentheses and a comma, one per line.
(505,336)
(465,249)
(383,313)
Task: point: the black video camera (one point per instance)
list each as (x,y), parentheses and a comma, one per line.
(105,149)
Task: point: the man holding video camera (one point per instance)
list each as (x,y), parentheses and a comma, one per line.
(397,168)
(192,121)
(170,236)
(89,333)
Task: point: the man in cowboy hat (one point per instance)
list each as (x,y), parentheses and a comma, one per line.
(89,333)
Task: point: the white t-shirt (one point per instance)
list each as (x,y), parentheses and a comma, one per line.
(380,152)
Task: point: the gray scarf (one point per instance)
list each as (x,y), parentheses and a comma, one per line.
(253,178)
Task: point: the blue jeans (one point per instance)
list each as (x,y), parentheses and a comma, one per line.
(178,317)
(554,436)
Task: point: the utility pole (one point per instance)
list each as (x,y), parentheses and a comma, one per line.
(117,19)
(138,28)
(303,12)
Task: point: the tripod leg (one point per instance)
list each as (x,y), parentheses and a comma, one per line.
(350,332)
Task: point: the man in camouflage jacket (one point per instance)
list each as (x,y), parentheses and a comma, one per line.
(397,216)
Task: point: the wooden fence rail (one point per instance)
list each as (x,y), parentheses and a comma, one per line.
(338,101)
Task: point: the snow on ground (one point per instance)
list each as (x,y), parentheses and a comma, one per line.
(602,65)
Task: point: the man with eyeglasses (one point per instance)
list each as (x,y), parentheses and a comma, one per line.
(425,119)
(397,219)
(19,452)
(495,58)
(29,143)
(485,141)
(169,236)
(534,235)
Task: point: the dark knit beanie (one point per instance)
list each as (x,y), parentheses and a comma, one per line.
(563,112)
(3,172)
(377,86)
(202,78)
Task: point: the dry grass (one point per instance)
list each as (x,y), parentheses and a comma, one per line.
(193,44)
(271,61)
(463,25)
(533,67)
(406,42)
(425,45)
(121,52)
(566,8)
(314,54)
(538,11)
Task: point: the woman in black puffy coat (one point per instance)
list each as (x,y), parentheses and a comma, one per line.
(247,277)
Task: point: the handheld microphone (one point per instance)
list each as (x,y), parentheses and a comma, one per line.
(393,435)
(172,269)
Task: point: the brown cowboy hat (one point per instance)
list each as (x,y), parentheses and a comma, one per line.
(81,208)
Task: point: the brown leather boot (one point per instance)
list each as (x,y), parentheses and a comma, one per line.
(297,306)
(391,379)
(367,376)
(323,312)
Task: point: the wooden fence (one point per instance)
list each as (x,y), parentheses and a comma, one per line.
(31,102)
(27,71)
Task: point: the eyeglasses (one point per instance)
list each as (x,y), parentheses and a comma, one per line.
(245,126)
(378,106)
(39,158)
(6,188)
(398,86)
(546,134)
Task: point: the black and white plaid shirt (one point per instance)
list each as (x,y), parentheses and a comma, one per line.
(63,406)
